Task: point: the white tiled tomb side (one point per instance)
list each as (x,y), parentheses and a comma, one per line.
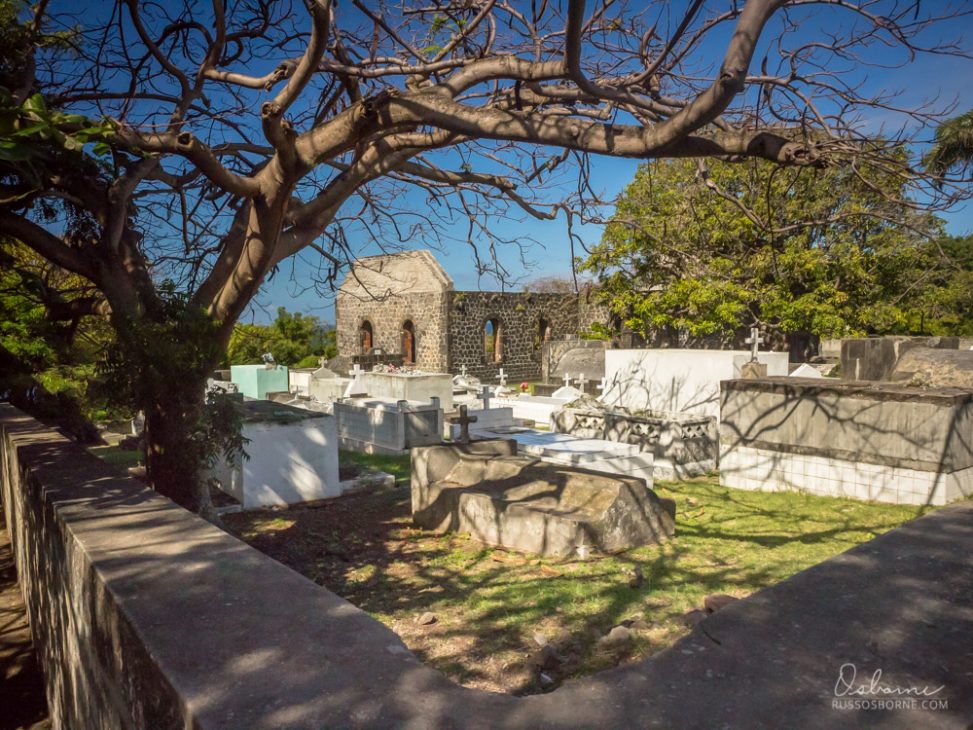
(875,441)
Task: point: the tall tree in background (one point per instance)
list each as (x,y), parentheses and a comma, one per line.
(952,147)
(706,249)
(181,153)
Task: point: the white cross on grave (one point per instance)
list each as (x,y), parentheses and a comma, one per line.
(582,381)
(462,371)
(502,378)
(601,386)
(567,380)
(485,395)
(355,375)
(754,340)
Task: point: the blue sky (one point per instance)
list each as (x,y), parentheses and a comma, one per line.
(942,80)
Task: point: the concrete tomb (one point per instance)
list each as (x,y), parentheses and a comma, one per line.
(876,441)
(387,426)
(255,381)
(682,445)
(607,457)
(299,380)
(486,490)
(677,380)
(293,457)
(875,358)
(411,386)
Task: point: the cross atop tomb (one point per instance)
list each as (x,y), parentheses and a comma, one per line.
(502,378)
(462,371)
(567,380)
(356,371)
(754,340)
(582,381)
(464,420)
(485,395)
(601,386)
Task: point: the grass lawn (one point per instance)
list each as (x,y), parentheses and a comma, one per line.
(489,604)
(117,456)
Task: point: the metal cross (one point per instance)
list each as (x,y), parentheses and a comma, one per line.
(464,420)
(754,340)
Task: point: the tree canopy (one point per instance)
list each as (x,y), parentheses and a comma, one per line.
(293,339)
(710,248)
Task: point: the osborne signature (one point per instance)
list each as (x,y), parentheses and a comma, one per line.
(847,685)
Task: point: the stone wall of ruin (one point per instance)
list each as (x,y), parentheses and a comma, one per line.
(426,311)
(519,315)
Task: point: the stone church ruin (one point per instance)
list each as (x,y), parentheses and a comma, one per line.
(403,307)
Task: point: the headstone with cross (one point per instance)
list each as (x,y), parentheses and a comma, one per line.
(567,380)
(485,394)
(754,340)
(502,378)
(464,420)
(582,381)
(462,371)
(353,388)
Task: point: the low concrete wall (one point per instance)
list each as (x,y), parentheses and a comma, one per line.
(145,616)
(841,438)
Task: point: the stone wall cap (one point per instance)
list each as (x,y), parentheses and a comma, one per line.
(876,390)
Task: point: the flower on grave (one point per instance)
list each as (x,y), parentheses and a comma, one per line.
(524,386)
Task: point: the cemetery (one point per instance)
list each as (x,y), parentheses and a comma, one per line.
(476,365)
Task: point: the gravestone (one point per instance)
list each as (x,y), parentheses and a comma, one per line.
(255,381)
(486,490)
(410,386)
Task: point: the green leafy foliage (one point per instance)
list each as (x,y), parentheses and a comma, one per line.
(826,252)
(294,339)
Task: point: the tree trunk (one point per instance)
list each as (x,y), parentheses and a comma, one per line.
(172,454)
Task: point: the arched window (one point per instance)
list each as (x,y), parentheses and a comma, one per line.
(493,340)
(365,337)
(544,330)
(408,342)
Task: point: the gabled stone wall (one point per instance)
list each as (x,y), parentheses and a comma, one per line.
(519,315)
(426,311)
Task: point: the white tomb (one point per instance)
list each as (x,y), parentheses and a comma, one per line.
(293,457)
(410,387)
(677,380)
(299,380)
(387,426)
(537,408)
(608,457)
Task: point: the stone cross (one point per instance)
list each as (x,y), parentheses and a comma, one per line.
(464,420)
(502,378)
(356,371)
(567,380)
(601,386)
(485,395)
(582,381)
(754,340)
(462,371)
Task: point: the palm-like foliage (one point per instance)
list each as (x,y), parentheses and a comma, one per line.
(953,146)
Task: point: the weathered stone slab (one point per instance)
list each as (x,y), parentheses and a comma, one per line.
(411,387)
(486,490)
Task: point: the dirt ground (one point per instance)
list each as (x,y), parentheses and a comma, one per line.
(23,704)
